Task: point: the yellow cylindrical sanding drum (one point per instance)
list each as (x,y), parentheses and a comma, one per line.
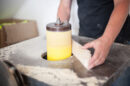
(59,41)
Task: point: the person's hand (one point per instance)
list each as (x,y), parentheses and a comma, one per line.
(63,14)
(101,47)
(64,10)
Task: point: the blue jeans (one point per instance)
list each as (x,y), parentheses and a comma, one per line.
(124,79)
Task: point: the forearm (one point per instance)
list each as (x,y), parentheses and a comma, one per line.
(64,10)
(116,20)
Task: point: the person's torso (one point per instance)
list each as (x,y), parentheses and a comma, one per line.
(93,16)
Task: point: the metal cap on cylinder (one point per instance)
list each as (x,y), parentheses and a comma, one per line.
(59,26)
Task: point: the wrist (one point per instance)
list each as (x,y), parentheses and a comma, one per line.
(107,40)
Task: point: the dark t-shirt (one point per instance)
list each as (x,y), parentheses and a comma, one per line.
(94,16)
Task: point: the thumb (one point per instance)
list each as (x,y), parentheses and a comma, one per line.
(88,45)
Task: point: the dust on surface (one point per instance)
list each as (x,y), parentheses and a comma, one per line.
(59,77)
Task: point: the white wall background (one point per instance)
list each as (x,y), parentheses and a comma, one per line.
(8,8)
(45,11)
